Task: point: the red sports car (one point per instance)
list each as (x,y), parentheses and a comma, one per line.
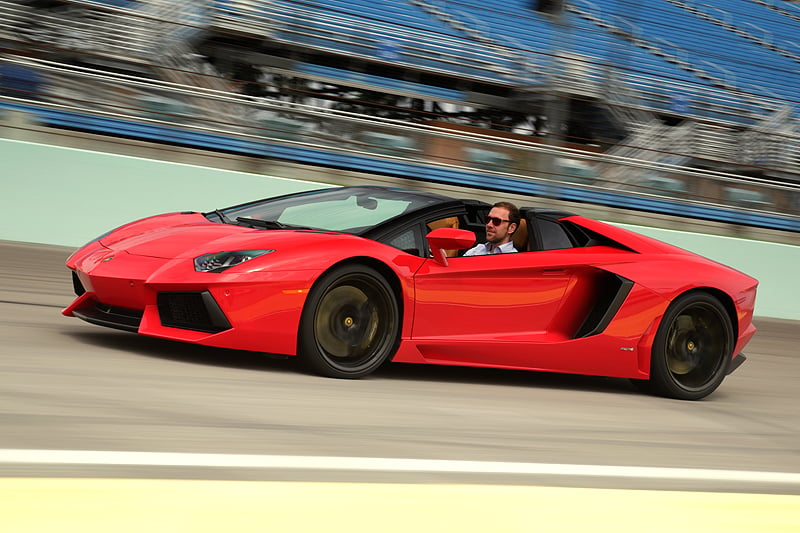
(349,278)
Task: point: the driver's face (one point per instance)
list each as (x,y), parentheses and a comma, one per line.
(497,226)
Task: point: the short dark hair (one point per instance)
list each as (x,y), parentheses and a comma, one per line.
(513,212)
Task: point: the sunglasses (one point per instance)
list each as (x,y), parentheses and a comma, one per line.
(496,221)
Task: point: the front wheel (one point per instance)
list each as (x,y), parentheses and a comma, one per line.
(692,349)
(350,324)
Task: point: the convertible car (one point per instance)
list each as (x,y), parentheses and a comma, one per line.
(348,278)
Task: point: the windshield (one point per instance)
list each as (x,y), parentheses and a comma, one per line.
(348,209)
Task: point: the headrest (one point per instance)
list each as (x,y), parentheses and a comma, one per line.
(450,222)
(520,237)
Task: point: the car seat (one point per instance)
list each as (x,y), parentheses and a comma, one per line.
(520,237)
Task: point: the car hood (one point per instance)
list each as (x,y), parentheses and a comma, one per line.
(190,234)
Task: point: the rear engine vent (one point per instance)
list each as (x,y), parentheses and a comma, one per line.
(197,311)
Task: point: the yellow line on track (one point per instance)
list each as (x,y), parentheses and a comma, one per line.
(177,506)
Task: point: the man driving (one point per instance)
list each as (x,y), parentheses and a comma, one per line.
(501,223)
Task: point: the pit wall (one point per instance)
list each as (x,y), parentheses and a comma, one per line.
(66,197)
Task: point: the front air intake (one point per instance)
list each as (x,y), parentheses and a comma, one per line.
(77,286)
(196,311)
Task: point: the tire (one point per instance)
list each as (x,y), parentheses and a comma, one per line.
(350,324)
(692,349)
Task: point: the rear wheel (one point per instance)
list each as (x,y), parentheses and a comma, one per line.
(350,325)
(692,348)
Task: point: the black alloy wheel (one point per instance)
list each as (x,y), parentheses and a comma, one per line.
(692,349)
(350,324)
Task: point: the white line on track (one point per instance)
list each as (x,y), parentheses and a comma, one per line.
(376,464)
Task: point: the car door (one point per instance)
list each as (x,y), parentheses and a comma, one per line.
(522,310)
(476,304)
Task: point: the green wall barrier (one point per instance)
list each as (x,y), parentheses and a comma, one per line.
(774,265)
(66,196)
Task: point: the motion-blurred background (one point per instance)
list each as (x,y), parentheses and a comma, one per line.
(675,115)
(681,110)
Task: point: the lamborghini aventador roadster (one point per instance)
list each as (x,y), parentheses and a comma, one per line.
(348,278)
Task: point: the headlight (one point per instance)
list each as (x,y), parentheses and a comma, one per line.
(224,260)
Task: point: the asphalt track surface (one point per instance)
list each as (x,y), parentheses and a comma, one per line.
(102,430)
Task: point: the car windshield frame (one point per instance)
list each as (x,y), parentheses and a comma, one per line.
(354,210)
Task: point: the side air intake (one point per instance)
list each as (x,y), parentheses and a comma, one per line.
(614,291)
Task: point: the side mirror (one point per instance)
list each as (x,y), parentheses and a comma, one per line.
(443,239)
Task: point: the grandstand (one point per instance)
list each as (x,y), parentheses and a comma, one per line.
(658,105)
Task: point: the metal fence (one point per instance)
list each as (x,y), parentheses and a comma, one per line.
(85,99)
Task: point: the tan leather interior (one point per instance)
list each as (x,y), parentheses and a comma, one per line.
(520,237)
(449,222)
